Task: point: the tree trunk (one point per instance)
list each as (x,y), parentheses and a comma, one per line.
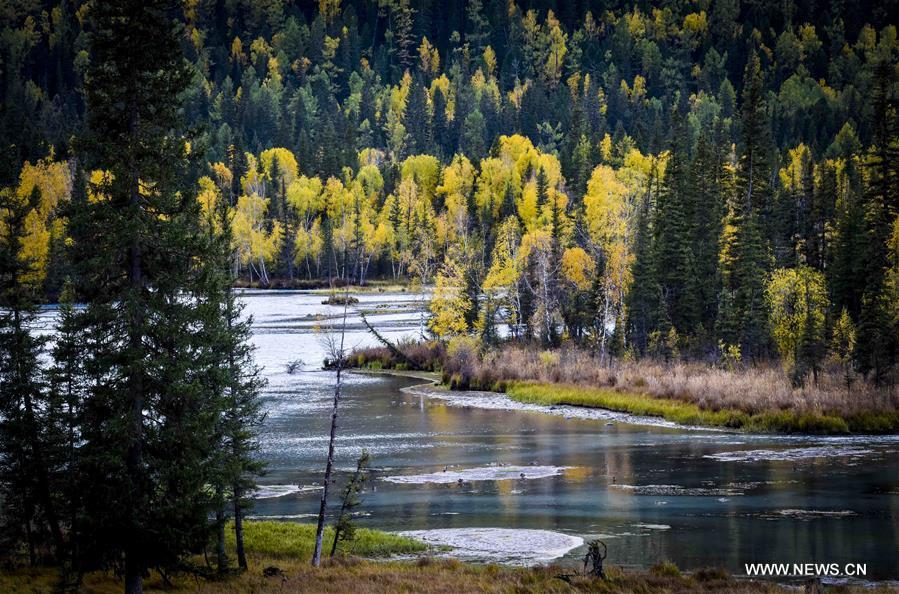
(329,466)
(238,530)
(220,557)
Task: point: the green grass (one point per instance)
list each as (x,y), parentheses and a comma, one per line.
(296,541)
(687,413)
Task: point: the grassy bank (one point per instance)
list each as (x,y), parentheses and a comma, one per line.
(687,413)
(287,540)
(423,576)
(752,398)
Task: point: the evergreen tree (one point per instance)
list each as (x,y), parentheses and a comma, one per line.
(417,120)
(643,297)
(68,388)
(234,382)
(439,126)
(707,193)
(744,252)
(29,432)
(877,347)
(147,426)
(672,237)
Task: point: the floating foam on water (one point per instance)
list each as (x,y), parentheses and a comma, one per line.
(272,491)
(483,473)
(653,526)
(506,545)
(809,514)
(282,517)
(677,490)
(789,454)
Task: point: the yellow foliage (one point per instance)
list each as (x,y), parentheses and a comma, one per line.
(425,171)
(428,57)
(208,197)
(305,197)
(449,303)
(458,183)
(490,60)
(578,267)
(443,83)
(797,299)
(604,205)
(53,183)
(287,164)
(251,241)
(52,179)
(797,160)
(506,266)
(696,23)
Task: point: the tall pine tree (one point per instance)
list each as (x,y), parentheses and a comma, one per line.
(148,425)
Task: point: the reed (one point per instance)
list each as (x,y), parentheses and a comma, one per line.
(757,397)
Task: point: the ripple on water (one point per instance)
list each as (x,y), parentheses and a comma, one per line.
(811,514)
(677,490)
(789,454)
(507,545)
(272,491)
(483,473)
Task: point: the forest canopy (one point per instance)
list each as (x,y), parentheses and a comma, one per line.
(656,176)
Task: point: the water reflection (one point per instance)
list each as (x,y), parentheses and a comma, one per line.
(651,493)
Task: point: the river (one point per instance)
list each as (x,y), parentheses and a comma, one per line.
(535,486)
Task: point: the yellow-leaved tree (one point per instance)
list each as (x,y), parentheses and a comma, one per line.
(449,304)
(797,303)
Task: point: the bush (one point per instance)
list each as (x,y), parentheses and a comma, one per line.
(665,569)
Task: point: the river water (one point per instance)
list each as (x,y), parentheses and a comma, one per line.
(536,486)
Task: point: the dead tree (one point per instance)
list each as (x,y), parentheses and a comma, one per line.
(396,352)
(595,558)
(336,349)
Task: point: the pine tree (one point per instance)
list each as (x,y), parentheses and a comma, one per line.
(877,347)
(672,237)
(417,120)
(147,426)
(235,382)
(744,251)
(439,125)
(707,194)
(29,433)
(68,387)
(644,295)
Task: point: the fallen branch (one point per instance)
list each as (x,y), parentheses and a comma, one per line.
(396,352)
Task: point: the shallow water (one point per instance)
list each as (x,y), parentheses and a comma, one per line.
(650,492)
(698,498)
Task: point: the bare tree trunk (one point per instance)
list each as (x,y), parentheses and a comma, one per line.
(238,529)
(220,556)
(320,529)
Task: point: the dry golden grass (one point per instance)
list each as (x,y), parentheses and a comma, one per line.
(426,576)
(825,406)
(753,389)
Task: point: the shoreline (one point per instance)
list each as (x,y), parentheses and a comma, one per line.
(279,552)
(544,398)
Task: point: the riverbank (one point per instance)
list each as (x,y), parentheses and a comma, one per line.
(279,553)
(757,399)
(325,286)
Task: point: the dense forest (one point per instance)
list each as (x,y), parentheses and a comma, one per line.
(700,180)
(663,178)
